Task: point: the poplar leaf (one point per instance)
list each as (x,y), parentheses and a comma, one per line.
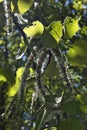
(35,30)
(77,54)
(21,6)
(71,124)
(52,35)
(55,30)
(71,27)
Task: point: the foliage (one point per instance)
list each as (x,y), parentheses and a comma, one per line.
(43,67)
(77,54)
(35,30)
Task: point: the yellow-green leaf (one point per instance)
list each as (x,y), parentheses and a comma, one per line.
(78,5)
(2,79)
(71,27)
(83,30)
(21,6)
(52,35)
(55,30)
(19,72)
(35,30)
(1,41)
(13,89)
(77,54)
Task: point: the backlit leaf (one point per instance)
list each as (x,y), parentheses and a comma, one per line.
(71,27)
(55,30)
(21,6)
(2,79)
(77,54)
(34,30)
(52,35)
(13,89)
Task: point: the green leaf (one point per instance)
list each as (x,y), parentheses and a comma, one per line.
(52,35)
(83,30)
(83,108)
(14,89)
(2,79)
(71,27)
(19,72)
(55,30)
(71,124)
(78,5)
(35,30)
(8,74)
(21,6)
(71,107)
(1,42)
(77,54)
(50,71)
(48,41)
